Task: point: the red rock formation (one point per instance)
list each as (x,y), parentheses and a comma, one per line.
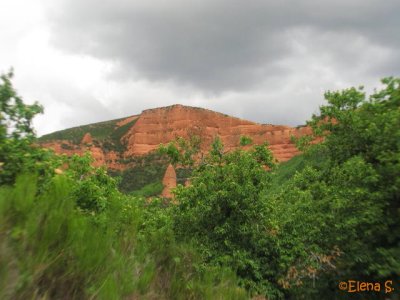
(63,147)
(87,139)
(162,125)
(169,182)
(110,159)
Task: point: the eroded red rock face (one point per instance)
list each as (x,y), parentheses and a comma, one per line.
(162,125)
(87,139)
(169,182)
(111,158)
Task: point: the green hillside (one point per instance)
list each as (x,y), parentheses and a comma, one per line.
(106,134)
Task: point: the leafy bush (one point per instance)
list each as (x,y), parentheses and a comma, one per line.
(149,190)
(16,132)
(339,217)
(222,214)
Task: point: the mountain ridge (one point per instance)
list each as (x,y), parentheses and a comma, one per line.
(126,146)
(115,141)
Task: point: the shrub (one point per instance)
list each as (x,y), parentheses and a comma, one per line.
(222,214)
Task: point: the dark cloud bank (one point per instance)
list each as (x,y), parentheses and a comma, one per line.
(219,45)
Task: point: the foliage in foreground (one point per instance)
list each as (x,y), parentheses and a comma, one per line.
(220,211)
(330,215)
(66,232)
(340,214)
(50,249)
(293,231)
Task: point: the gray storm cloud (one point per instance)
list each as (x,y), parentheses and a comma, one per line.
(218,46)
(265,61)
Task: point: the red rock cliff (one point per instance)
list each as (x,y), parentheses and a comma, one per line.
(162,125)
(169,182)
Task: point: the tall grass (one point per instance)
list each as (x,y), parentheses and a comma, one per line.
(49,249)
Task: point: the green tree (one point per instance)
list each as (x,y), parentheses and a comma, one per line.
(182,151)
(93,189)
(15,116)
(221,212)
(17,152)
(340,219)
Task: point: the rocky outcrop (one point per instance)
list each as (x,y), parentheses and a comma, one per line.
(162,125)
(87,139)
(110,158)
(169,182)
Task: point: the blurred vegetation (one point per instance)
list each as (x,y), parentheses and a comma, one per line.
(243,228)
(149,190)
(68,233)
(183,174)
(52,249)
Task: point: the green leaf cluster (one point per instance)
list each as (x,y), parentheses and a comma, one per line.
(221,213)
(337,209)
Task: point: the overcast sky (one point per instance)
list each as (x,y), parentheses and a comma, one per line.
(265,61)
